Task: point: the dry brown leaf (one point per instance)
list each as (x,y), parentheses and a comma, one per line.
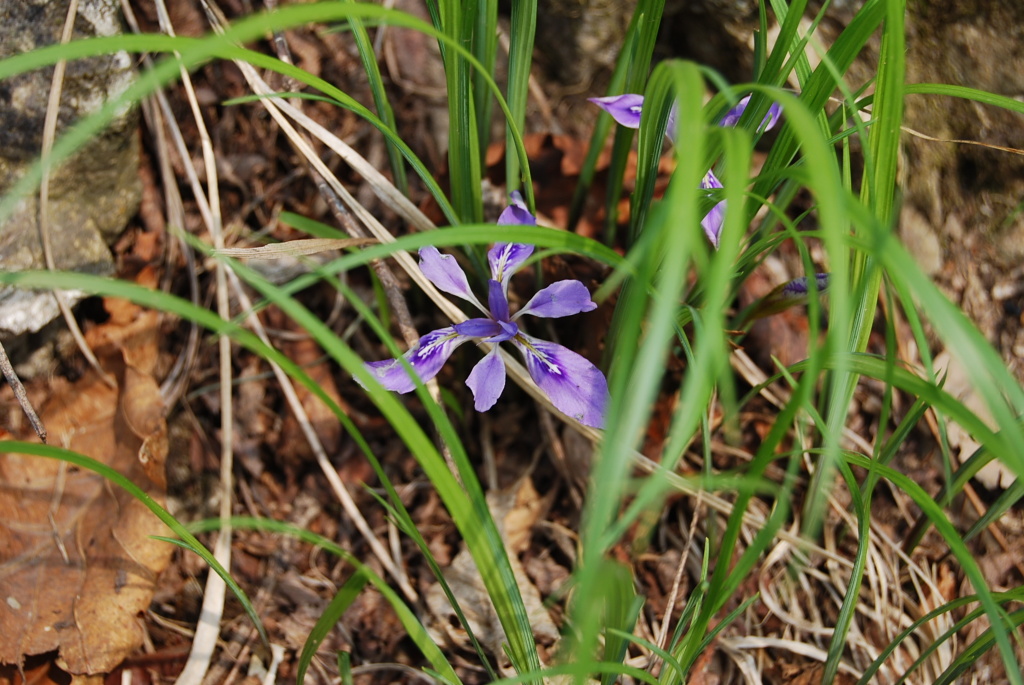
(307,353)
(78,562)
(515,511)
(960,384)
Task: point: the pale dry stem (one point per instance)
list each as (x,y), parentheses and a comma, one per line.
(201,652)
(49,135)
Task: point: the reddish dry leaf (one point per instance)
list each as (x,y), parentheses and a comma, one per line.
(307,353)
(78,562)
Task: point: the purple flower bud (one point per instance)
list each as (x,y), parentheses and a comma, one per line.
(799,287)
(715,219)
(732,117)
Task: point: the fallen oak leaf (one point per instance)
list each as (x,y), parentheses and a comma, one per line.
(79,562)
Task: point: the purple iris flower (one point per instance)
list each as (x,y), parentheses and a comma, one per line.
(574,385)
(626,110)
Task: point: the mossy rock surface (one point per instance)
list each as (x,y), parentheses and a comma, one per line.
(92,195)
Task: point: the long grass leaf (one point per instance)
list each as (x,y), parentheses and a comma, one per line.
(522,33)
(332,613)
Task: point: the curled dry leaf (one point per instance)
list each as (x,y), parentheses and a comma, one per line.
(959,384)
(515,511)
(77,558)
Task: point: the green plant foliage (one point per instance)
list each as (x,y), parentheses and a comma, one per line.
(828,187)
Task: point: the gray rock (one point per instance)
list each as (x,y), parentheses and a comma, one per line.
(93,194)
(578,38)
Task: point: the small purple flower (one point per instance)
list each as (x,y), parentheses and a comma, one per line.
(798,287)
(626,110)
(517,212)
(574,385)
(732,117)
(789,294)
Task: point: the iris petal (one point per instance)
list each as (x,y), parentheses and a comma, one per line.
(732,117)
(426,359)
(517,212)
(444,272)
(508,331)
(712,222)
(562,298)
(772,118)
(576,387)
(496,301)
(505,258)
(478,328)
(487,380)
(488,329)
(625,109)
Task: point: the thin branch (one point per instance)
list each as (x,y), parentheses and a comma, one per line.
(20,394)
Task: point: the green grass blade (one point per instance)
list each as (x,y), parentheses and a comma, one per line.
(789,16)
(997,616)
(342,600)
(821,85)
(582,670)
(463,138)
(1007,499)
(861,508)
(520,58)
(414,629)
(345,667)
(636,371)
(622,608)
(965,93)
(485,49)
(380,100)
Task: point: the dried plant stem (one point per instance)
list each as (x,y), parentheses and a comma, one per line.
(385,275)
(20,394)
(677,582)
(392,290)
(49,135)
(208,630)
(176,381)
